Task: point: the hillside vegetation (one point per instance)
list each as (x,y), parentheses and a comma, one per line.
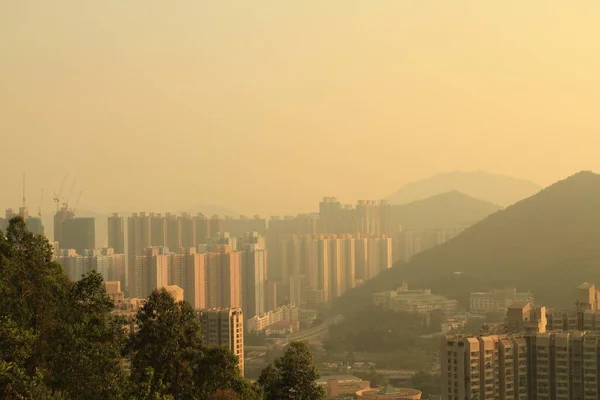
(547,243)
(443,211)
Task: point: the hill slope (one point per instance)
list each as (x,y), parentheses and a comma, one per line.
(547,243)
(497,189)
(443,211)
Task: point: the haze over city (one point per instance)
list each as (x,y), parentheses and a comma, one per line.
(310,200)
(266,107)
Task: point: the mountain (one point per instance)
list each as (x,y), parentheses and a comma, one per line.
(443,211)
(497,189)
(548,243)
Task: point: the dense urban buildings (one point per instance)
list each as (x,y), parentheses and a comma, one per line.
(105,261)
(224,327)
(416,301)
(497,300)
(546,355)
(116,233)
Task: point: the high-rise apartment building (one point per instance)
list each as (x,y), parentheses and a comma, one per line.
(104,261)
(202,224)
(151,270)
(216,226)
(116,234)
(484,367)
(188,231)
(373,255)
(239,226)
(33,224)
(224,328)
(224,278)
(174,238)
(60,217)
(158,230)
(139,237)
(254,279)
(78,233)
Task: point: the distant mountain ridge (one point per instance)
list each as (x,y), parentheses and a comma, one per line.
(494,188)
(443,211)
(548,243)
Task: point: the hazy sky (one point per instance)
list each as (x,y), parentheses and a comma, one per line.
(266,106)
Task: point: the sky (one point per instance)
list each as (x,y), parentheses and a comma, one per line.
(267,106)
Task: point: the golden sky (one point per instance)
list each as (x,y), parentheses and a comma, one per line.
(266,106)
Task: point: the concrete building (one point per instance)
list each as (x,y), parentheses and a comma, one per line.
(497,300)
(373,255)
(410,242)
(175,291)
(188,231)
(224,278)
(202,224)
(194,278)
(110,265)
(526,318)
(224,328)
(116,233)
(254,278)
(419,301)
(484,367)
(138,238)
(151,271)
(113,290)
(259,323)
(239,226)
(341,386)
(78,233)
(174,239)
(62,215)
(158,230)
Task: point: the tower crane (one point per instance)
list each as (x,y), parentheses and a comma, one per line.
(66,203)
(56,198)
(39,213)
(77,202)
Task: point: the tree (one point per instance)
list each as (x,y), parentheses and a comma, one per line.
(293,376)
(85,358)
(167,354)
(168,341)
(427,383)
(33,288)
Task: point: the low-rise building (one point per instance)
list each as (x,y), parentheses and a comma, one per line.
(340,386)
(389,393)
(420,301)
(260,323)
(497,300)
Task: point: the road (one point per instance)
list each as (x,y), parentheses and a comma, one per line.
(315,331)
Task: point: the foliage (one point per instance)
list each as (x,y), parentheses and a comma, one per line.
(89,344)
(552,234)
(428,383)
(374,330)
(167,353)
(60,340)
(293,376)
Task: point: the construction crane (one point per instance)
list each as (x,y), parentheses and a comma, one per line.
(39,213)
(56,198)
(77,202)
(24,200)
(66,203)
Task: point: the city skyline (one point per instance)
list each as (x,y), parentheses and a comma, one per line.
(339,98)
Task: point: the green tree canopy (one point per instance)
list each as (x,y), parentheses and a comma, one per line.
(293,376)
